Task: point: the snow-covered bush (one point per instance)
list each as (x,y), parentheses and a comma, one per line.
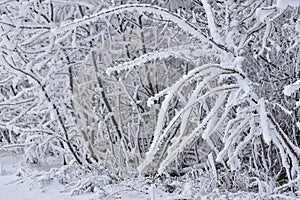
(155,87)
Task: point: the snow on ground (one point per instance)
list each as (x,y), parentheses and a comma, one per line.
(17,184)
(13,187)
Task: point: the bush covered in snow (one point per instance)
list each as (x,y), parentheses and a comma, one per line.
(201,89)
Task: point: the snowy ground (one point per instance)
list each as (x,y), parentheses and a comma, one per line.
(14,185)
(11,188)
(18,182)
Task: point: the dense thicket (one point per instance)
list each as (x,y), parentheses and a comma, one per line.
(155,87)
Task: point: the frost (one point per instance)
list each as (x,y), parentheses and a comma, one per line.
(290,89)
(297,104)
(287,111)
(182,52)
(231,62)
(53,115)
(264,14)
(283,4)
(140,61)
(244,84)
(264,122)
(238,62)
(187,191)
(166,14)
(211,23)
(113,88)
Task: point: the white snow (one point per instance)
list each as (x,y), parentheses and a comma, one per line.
(263,13)
(211,23)
(283,4)
(264,122)
(18,182)
(12,188)
(290,89)
(15,187)
(166,14)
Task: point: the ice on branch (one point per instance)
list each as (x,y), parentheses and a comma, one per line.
(290,89)
(283,4)
(182,52)
(141,8)
(264,122)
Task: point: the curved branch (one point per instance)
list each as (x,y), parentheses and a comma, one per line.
(185,25)
(141,8)
(182,52)
(177,52)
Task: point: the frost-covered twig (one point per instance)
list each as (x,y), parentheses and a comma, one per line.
(166,14)
(292,88)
